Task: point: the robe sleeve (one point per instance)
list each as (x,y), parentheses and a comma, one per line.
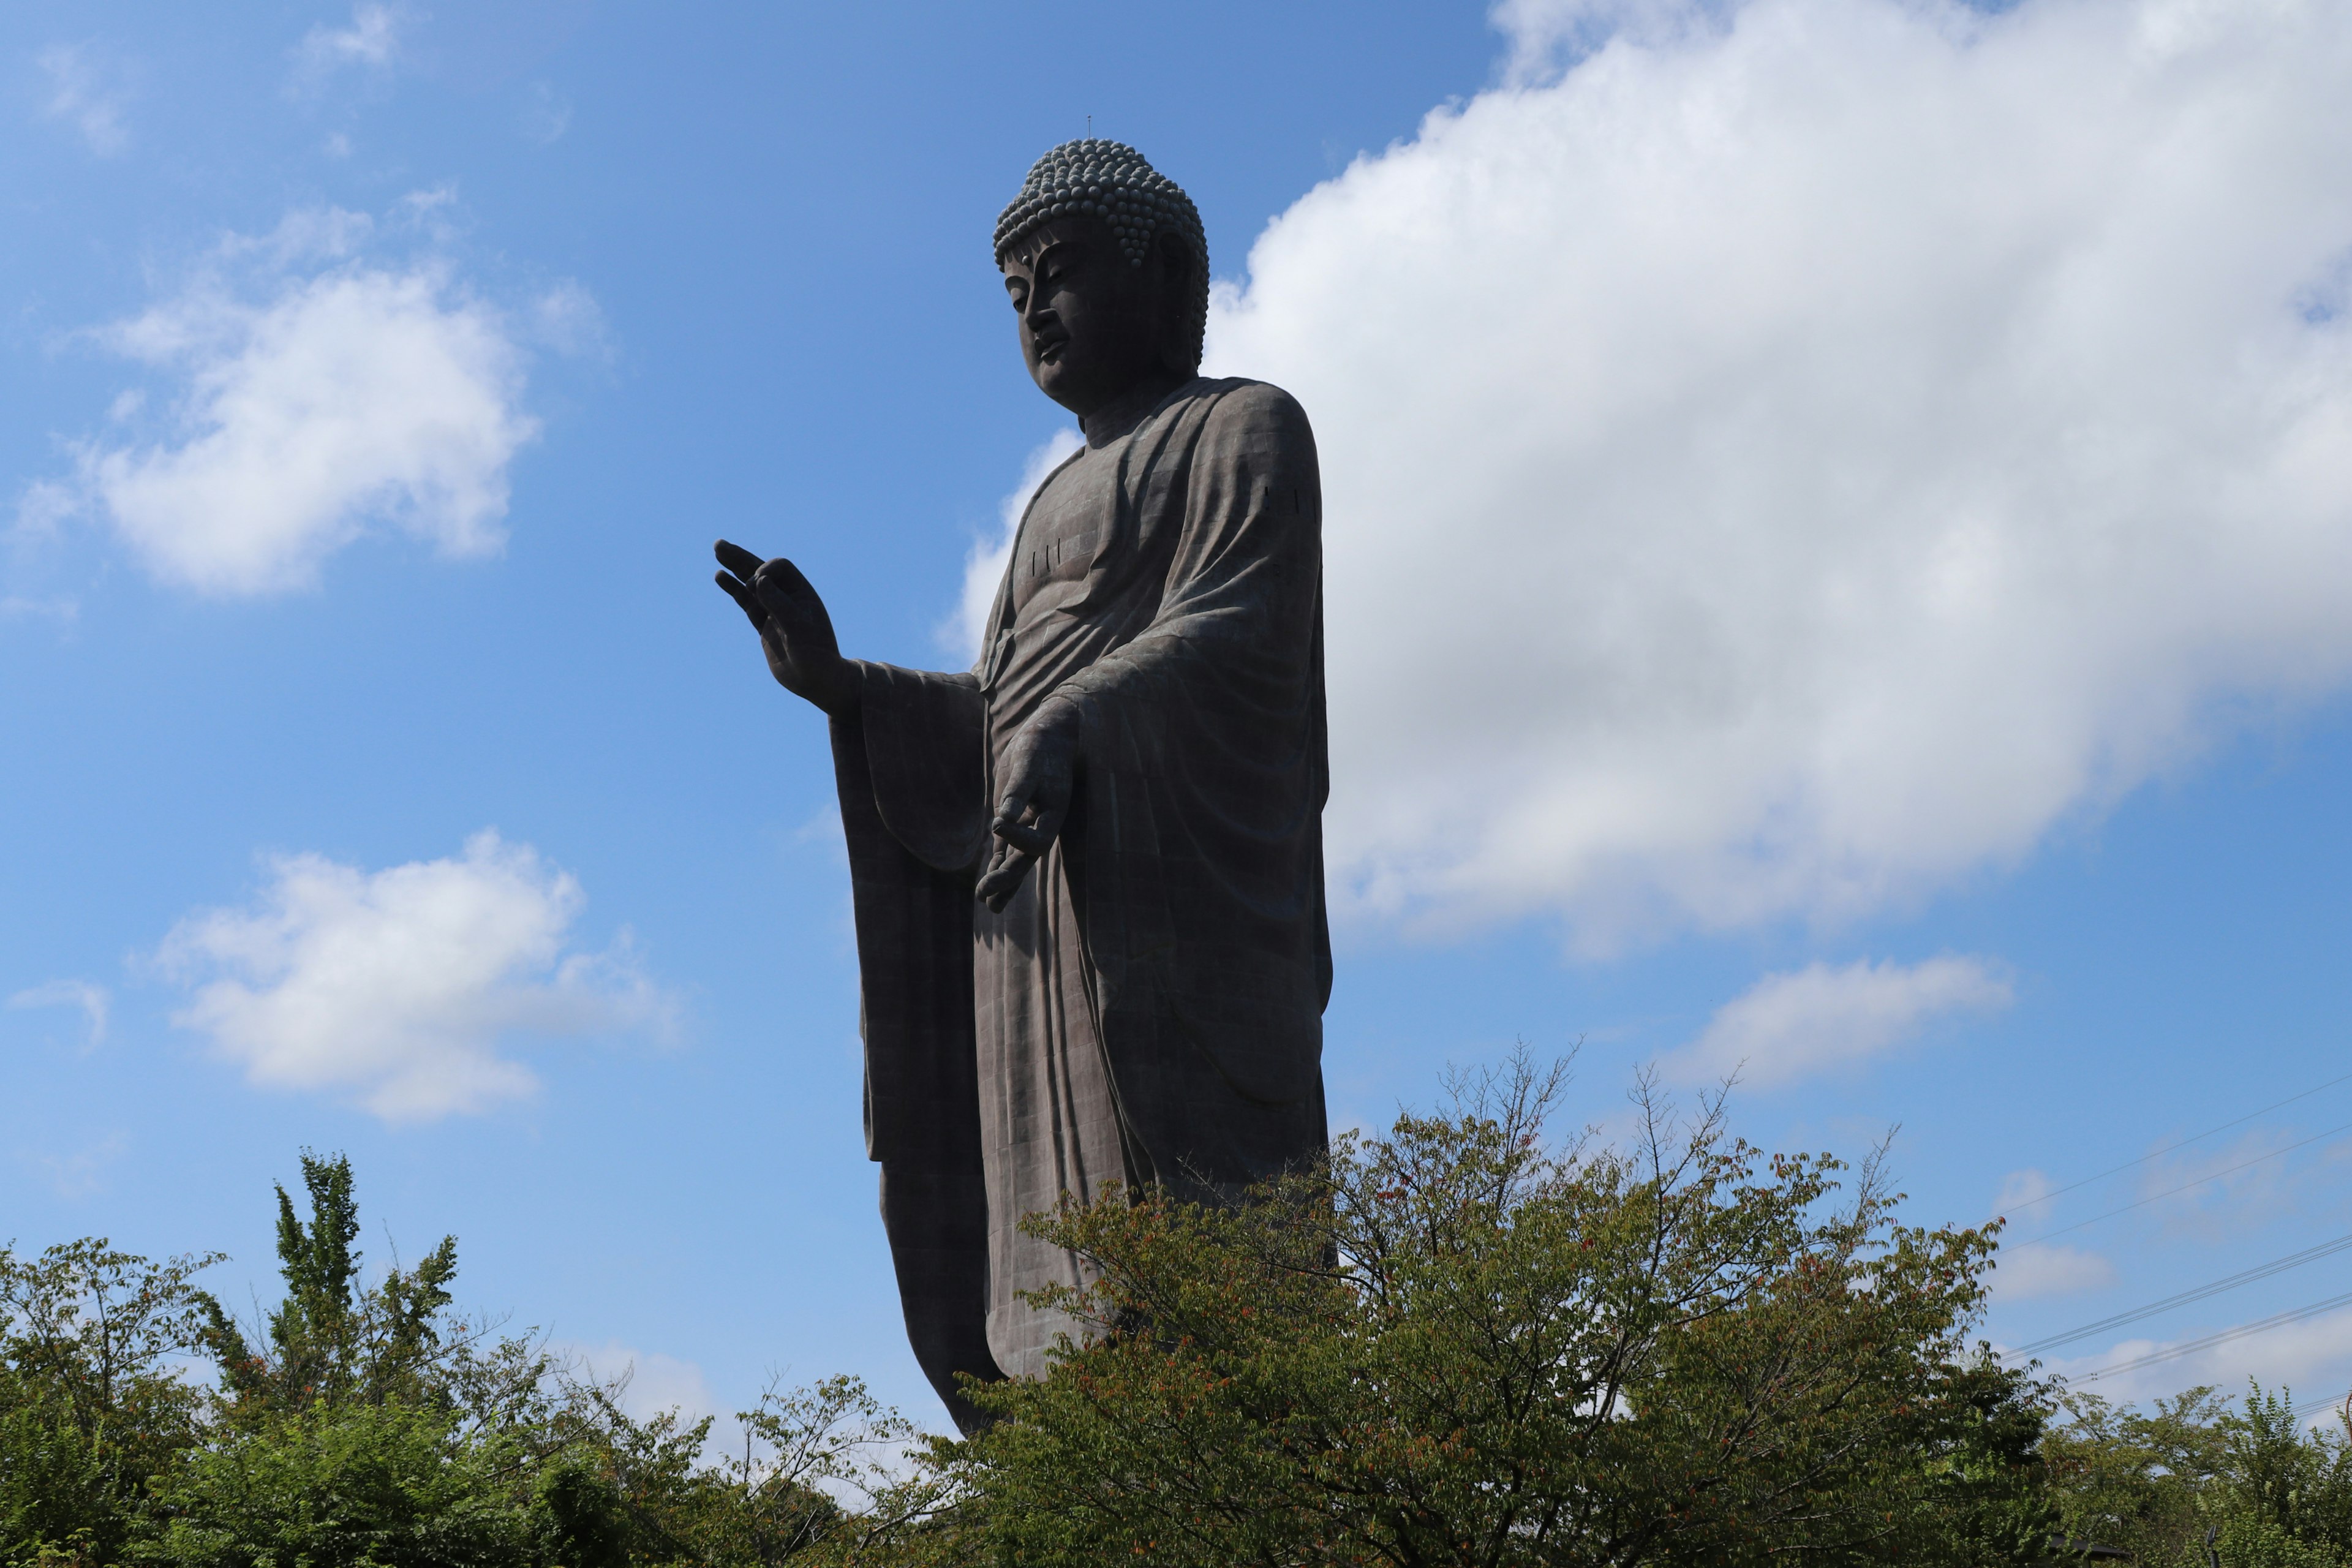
(908,767)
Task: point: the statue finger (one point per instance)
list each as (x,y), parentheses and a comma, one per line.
(1004,877)
(736,559)
(1030,838)
(737,591)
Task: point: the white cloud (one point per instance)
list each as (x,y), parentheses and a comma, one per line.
(92,1000)
(397,988)
(2028,1273)
(1790,1025)
(87,97)
(372,41)
(657,1383)
(1793,458)
(983,569)
(322,394)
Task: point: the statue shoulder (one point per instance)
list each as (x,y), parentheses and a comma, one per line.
(1256,407)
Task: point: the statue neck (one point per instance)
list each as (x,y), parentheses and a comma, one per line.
(1126,411)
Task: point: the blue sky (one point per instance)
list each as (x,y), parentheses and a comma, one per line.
(1839,539)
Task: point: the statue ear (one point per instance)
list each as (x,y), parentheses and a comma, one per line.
(1179,343)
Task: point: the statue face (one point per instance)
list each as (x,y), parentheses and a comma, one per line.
(1091,323)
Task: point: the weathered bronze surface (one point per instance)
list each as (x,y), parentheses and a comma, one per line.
(1089,871)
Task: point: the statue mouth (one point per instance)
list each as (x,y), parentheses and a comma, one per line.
(1050,349)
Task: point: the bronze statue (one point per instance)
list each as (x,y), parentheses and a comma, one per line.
(1119,971)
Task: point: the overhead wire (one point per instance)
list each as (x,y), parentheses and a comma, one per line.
(2185,1186)
(2213,1287)
(2181,1143)
(2190,1347)
(2198,1293)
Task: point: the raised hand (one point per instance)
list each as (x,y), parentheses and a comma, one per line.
(1040,769)
(796,633)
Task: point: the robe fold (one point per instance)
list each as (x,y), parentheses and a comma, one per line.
(1148,1007)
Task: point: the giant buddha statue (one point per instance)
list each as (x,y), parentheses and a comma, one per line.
(1088,872)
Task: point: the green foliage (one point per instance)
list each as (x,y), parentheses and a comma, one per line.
(2271,1491)
(332,1342)
(372,1424)
(378,1484)
(1452,1346)
(90,1408)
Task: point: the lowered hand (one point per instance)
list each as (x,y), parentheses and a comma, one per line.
(1040,768)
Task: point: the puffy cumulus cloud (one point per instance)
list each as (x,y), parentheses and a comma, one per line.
(2028,1273)
(88,95)
(1799,452)
(984,568)
(1786,1025)
(322,394)
(356,395)
(397,988)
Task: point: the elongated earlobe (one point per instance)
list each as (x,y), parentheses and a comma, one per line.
(1180,328)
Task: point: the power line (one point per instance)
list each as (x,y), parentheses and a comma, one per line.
(2198,1293)
(2191,1347)
(2176,1192)
(2183,1144)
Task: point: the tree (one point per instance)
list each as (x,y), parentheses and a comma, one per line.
(2269,1491)
(89,1408)
(331,1341)
(374,1426)
(1453,1346)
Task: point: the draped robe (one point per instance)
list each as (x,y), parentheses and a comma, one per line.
(1147,1008)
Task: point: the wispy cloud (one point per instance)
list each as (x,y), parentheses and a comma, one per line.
(2260,1176)
(90,96)
(546,114)
(93,1001)
(2024,1189)
(83,1173)
(1805,1021)
(2030,1273)
(399,988)
(372,41)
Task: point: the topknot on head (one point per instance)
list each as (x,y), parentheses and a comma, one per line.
(1106,180)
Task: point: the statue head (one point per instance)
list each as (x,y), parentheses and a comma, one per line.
(1106,262)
